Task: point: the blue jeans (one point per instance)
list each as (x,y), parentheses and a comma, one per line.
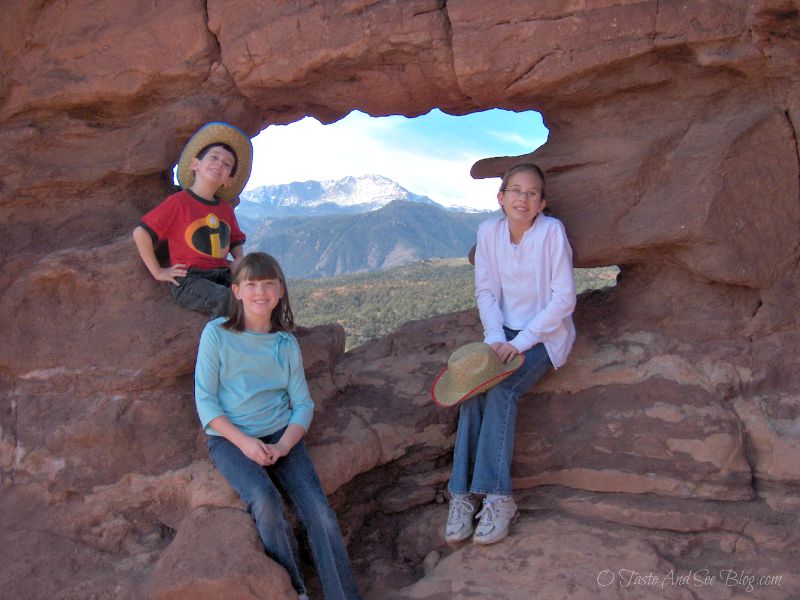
(293,475)
(485,436)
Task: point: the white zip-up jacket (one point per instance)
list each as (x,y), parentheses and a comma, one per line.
(529,287)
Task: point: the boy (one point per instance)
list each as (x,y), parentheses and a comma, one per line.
(198,222)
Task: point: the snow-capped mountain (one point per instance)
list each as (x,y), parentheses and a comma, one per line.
(317,228)
(306,198)
(399,233)
(468,209)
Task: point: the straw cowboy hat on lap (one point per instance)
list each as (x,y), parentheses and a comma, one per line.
(218,133)
(471,370)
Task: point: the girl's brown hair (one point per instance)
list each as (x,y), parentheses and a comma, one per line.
(530,167)
(255,267)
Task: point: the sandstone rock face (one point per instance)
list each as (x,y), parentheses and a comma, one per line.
(218,554)
(668,444)
(598,562)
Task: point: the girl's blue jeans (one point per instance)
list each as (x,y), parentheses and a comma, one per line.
(486,422)
(293,475)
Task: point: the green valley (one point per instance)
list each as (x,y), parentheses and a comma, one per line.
(369,305)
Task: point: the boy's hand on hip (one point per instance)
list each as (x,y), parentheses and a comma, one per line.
(170,273)
(504,351)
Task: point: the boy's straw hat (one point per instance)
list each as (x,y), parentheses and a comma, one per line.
(218,133)
(471,370)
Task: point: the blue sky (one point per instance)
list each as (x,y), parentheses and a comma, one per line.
(430,155)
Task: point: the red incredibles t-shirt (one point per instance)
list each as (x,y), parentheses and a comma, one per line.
(199,232)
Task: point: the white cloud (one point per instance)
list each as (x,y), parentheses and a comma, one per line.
(511,137)
(360,145)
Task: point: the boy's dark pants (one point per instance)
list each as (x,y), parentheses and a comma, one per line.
(204,290)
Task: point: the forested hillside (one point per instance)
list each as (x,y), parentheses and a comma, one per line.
(369,305)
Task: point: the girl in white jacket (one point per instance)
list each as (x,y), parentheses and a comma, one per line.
(526,295)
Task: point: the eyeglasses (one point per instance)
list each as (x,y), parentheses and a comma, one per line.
(518,194)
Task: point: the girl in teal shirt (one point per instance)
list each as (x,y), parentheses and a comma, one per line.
(253,402)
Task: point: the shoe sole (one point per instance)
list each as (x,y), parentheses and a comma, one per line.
(458,543)
(489,542)
(454,541)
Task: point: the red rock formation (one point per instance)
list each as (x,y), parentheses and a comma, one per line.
(668,443)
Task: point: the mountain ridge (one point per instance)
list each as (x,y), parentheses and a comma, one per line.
(352,224)
(399,233)
(351,194)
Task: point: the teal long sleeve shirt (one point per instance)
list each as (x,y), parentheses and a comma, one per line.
(254,379)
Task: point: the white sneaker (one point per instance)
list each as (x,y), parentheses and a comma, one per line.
(495,517)
(459,519)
